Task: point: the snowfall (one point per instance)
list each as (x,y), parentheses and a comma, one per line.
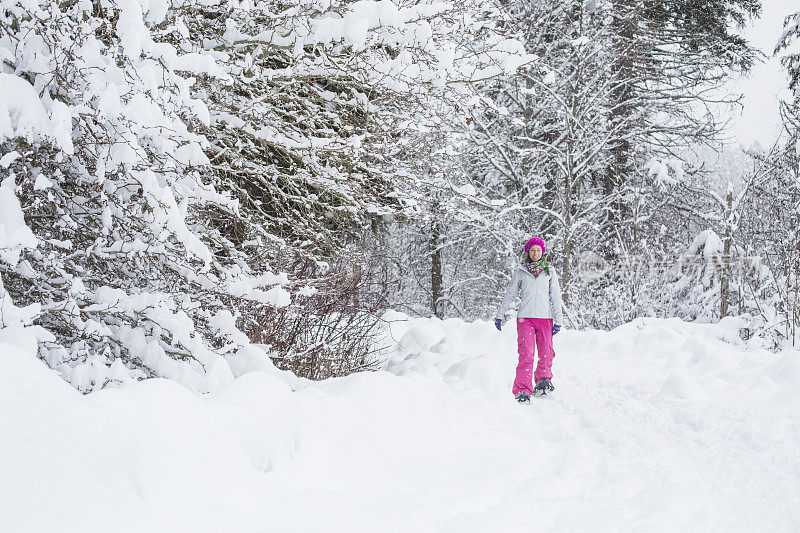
(656,425)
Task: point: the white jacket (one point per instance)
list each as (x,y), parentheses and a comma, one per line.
(541,296)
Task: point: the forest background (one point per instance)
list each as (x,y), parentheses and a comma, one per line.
(195,189)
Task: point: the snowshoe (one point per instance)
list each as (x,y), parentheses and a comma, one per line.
(543,385)
(523,397)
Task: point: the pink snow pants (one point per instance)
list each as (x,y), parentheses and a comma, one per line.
(540,332)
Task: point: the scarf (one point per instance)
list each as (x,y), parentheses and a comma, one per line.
(537,267)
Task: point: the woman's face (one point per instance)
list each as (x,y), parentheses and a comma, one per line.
(535,252)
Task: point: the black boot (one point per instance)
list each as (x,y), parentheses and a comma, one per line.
(523,397)
(544,385)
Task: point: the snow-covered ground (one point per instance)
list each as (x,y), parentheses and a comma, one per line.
(654,426)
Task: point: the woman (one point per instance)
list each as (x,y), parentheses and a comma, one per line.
(539,318)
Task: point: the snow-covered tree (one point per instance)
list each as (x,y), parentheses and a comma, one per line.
(788,48)
(667,58)
(99,148)
(166,163)
(565,144)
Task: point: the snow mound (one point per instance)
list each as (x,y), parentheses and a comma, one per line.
(486,373)
(656,425)
(422,337)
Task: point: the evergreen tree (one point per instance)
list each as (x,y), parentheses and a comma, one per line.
(787,47)
(667,59)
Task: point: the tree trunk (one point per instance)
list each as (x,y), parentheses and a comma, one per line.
(725,278)
(437,285)
(569,189)
(620,169)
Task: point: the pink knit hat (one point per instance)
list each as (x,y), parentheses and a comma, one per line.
(530,243)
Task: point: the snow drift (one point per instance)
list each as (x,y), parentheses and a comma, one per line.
(658,424)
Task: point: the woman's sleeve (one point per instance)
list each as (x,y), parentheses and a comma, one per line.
(555,299)
(511,292)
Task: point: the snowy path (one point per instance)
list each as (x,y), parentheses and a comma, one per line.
(654,426)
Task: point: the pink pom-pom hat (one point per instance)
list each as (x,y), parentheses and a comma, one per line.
(530,243)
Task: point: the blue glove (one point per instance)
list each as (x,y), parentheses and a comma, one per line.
(556,328)
(498,323)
